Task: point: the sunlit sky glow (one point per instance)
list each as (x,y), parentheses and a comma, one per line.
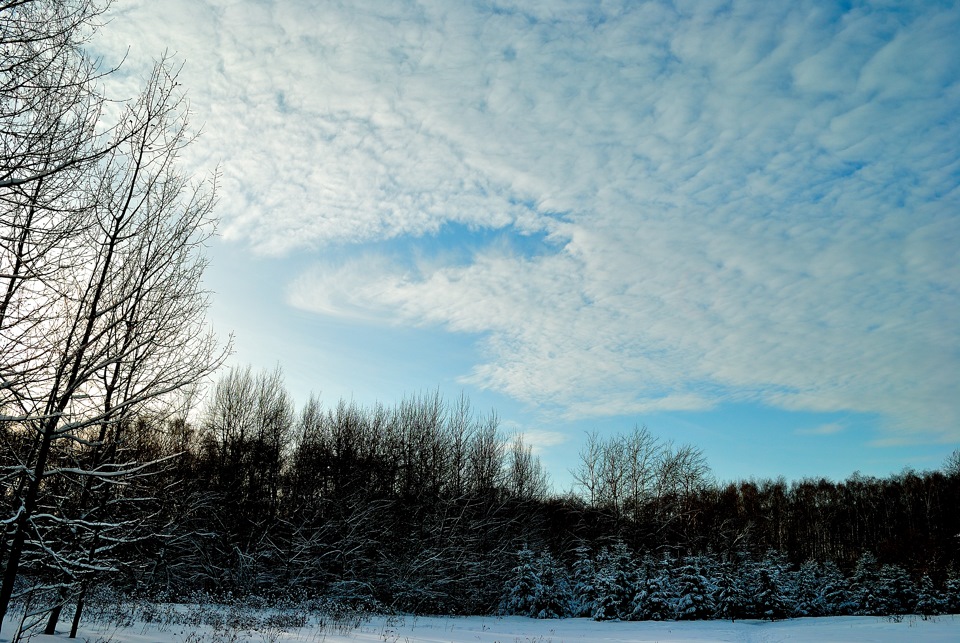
(735,222)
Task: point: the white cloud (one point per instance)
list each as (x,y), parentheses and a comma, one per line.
(539,440)
(749,204)
(542,439)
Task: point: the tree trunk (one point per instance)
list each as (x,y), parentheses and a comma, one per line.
(79,612)
(22,524)
(53,619)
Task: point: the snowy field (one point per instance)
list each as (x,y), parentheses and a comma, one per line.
(516,629)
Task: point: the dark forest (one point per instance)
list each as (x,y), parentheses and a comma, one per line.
(427,507)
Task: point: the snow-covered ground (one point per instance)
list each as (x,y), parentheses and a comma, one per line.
(523,630)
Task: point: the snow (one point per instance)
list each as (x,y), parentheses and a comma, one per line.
(516,629)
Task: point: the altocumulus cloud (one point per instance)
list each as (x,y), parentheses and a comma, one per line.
(734,202)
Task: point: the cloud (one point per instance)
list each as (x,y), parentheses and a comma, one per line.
(541,439)
(749,204)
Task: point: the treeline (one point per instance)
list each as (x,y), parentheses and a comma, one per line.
(908,519)
(420,506)
(423,507)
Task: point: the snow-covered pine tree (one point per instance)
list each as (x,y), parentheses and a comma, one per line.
(951,594)
(655,598)
(646,570)
(710,567)
(613,586)
(523,586)
(864,584)
(748,577)
(810,599)
(895,590)
(694,592)
(729,597)
(929,601)
(770,600)
(606,592)
(836,594)
(786,577)
(775,587)
(629,572)
(552,594)
(584,577)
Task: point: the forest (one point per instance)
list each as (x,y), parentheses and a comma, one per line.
(130,460)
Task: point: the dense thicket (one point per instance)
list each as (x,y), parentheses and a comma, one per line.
(428,507)
(421,505)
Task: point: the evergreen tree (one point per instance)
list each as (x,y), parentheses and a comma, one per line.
(613,584)
(552,594)
(771,602)
(951,595)
(647,569)
(896,593)
(810,599)
(836,595)
(694,593)
(929,602)
(654,599)
(863,586)
(730,599)
(523,587)
(748,577)
(584,578)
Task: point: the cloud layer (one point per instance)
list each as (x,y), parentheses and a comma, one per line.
(717,202)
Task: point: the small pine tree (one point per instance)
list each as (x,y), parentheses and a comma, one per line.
(654,599)
(810,599)
(929,602)
(863,586)
(771,587)
(523,586)
(836,595)
(730,599)
(748,577)
(612,585)
(584,577)
(896,593)
(606,606)
(552,596)
(694,593)
(648,568)
(771,602)
(951,595)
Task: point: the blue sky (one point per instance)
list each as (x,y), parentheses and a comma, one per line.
(737,223)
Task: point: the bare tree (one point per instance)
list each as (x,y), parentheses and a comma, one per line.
(249,421)
(486,459)
(526,478)
(643,453)
(951,465)
(621,474)
(587,475)
(49,102)
(129,329)
(49,113)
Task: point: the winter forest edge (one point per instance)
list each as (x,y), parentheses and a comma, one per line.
(118,479)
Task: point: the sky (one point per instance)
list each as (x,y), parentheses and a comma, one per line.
(735,223)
